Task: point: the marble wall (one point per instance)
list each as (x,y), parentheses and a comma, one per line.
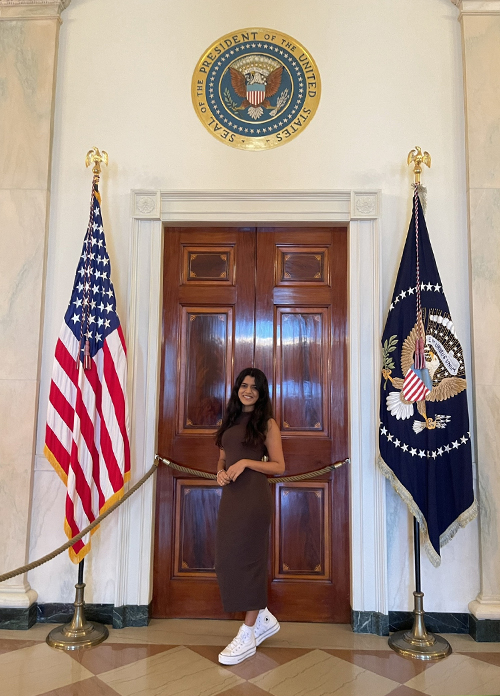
(28,56)
(481,45)
(140,111)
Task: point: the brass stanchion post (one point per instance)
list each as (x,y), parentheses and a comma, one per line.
(78,633)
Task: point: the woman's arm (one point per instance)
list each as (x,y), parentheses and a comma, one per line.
(276,463)
(222,477)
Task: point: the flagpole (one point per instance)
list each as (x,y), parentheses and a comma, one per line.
(418,643)
(80,633)
(416,541)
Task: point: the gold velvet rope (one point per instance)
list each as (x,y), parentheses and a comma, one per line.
(280,479)
(172,465)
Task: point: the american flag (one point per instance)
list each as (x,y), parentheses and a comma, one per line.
(86,438)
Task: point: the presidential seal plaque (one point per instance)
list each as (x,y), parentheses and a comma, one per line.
(256,89)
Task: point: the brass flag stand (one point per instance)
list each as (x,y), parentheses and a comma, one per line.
(418,643)
(80,633)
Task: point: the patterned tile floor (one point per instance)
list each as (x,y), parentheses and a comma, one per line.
(179,658)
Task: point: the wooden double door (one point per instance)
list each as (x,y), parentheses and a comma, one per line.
(276,299)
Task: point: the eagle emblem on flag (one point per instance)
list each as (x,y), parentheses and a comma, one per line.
(443,376)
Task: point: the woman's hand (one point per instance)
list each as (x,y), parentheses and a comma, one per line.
(222,478)
(236,469)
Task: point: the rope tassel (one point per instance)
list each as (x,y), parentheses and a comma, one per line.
(419,354)
(87,362)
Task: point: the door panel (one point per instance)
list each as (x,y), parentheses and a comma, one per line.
(302,531)
(302,348)
(206,352)
(208,265)
(276,299)
(196,507)
(208,309)
(301,334)
(297,266)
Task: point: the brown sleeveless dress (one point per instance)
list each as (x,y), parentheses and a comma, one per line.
(243,523)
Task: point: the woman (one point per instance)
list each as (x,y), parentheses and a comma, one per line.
(248,434)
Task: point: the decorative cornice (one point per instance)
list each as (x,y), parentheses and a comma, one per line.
(32,9)
(478,7)
(271,206)
(10,3)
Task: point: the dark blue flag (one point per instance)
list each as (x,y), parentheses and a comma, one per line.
(425,448)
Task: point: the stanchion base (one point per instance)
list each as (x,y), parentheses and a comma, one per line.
(433,647)
(88,636)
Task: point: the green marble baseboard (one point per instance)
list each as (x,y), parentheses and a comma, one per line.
(437,622)
(118,617)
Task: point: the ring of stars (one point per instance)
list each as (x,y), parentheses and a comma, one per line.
(421,453)
(224,114)
(429,287)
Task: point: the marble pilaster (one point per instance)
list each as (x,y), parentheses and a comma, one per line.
(29,32)
(481,49)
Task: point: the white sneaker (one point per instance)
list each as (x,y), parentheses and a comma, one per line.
(239,648)
(265,626)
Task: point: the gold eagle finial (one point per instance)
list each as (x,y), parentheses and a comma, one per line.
(96,157)
(419,158)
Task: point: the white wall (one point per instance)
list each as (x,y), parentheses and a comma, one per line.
(391,79)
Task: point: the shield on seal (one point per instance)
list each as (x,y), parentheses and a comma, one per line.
(256,94)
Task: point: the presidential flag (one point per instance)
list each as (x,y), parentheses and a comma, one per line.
(425,447)
(86,438)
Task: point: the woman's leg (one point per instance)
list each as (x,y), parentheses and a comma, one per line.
(251,617)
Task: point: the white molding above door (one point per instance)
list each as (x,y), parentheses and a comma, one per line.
(255,206)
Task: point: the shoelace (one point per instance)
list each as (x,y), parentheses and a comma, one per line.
(236,642)
(261,622)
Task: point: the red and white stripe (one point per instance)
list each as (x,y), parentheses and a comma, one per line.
(414,388)
(256,96)
(87,430)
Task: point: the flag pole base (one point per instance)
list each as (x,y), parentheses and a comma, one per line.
(78,633)
(418,644)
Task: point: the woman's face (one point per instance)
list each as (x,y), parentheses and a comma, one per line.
(248,393)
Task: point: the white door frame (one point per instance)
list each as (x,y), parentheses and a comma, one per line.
(151,211)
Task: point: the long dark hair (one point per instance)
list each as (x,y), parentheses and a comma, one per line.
(257,424)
